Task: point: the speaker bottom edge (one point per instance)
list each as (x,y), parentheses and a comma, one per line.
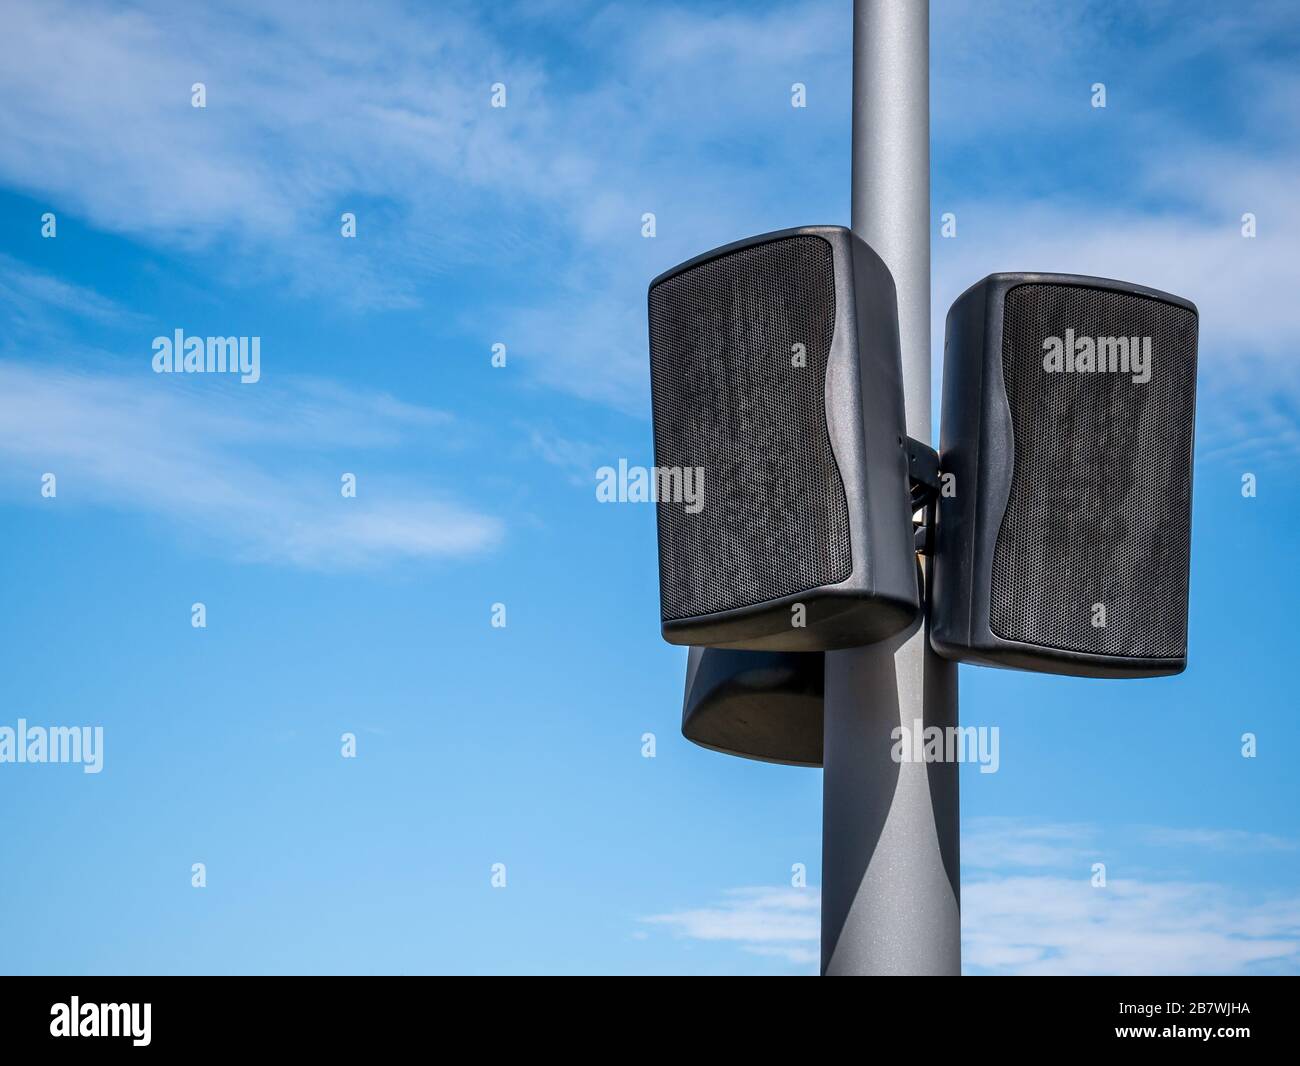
(833,620)
(1042,660)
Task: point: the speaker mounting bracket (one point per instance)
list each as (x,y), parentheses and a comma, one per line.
(922,471)
(924,477)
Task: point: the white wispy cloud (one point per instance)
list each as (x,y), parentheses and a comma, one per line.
(255,469)
(1249,382)
(32,299)
(1040,925)
(996,843)
(1240,285)
(578,459)
(780,922)
(1029,907)
(681,111)
(313,111)
(1014,68)
(1217,839)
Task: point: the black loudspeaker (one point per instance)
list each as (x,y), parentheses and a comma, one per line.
(759,704)
(777,393)
(1064,526)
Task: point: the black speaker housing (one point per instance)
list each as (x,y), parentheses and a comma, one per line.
(757,704)
(806,495)
(1092,504)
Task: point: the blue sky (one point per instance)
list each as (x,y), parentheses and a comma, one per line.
(476,485)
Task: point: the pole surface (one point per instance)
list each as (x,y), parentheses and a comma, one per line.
(890,888)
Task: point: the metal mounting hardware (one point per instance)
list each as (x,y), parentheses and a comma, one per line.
(924,474)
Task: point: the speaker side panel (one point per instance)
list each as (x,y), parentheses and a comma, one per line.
(886,516)
(961,448)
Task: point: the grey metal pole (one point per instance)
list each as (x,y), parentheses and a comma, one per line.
(890,889)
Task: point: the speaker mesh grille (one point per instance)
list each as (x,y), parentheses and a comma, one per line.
(1100,504)
(726,398)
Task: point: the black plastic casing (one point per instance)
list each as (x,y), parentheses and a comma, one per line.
(977,446)
(865,422)
(756,704)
